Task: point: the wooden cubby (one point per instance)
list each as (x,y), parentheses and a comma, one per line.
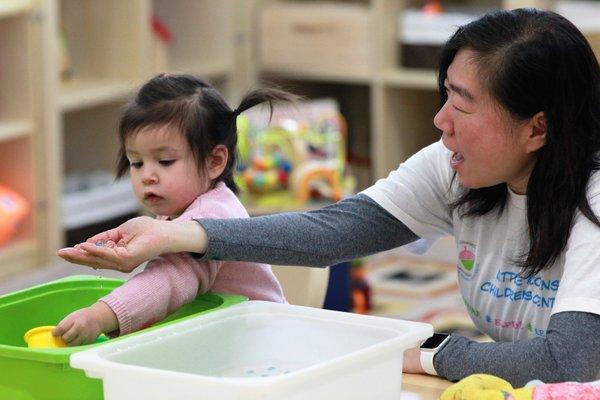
(19,131)
(56,120)
(399,109)
(204,33)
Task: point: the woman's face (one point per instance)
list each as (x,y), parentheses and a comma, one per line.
(489,147)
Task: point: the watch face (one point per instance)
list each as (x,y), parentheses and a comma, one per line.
(434,341)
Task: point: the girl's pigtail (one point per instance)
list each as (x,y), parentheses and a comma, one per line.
(265,95)
(251,99)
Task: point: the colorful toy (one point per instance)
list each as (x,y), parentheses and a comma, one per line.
(485,387)
(489,387)
(13,210)
(267,173)
(297,156)
(42,338)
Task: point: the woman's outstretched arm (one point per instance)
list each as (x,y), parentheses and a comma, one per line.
(351,228)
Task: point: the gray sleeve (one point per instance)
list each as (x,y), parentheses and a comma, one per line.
(569,352)
(351,228)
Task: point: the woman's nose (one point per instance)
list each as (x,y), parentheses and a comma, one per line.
(443,120)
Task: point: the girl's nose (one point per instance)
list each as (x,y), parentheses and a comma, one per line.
(443,120)
(149,177)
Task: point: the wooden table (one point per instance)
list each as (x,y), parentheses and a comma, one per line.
(422,387)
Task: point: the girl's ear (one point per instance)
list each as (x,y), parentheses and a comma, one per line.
(217,161)
(537,132)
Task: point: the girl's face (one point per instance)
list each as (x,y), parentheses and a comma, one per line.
(164,173)
(488,146)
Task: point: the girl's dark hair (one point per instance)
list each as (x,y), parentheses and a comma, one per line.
(197,110)
(531,60)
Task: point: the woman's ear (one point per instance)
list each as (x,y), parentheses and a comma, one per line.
(217,161)
(537,132)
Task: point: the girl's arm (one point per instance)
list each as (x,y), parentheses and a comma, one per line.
(569,352)
(168,282)
(351,228)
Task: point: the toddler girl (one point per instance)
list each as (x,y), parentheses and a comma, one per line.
(178,141)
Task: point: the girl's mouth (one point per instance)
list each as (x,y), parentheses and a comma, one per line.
(456,160)
(151,197)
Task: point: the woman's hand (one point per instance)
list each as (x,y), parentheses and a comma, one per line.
(136,241)
(412,361)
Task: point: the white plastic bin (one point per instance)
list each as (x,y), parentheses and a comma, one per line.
(258,350)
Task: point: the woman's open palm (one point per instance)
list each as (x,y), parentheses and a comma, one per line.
(122,248)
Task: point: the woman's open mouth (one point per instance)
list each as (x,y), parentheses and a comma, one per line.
(456,160)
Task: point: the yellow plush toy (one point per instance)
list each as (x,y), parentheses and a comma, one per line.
(485,387)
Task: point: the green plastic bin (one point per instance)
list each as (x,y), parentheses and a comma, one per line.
(45,374)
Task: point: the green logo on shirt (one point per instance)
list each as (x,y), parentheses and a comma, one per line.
(468,264)
(467,260)
(467,257)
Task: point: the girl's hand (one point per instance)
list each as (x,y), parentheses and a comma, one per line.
(136,241)
(83,326)
(412,361)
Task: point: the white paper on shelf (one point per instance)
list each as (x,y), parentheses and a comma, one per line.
(98,204)
(417,27)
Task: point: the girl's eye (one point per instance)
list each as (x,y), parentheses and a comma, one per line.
(458,109)
(137,164)
(166,163)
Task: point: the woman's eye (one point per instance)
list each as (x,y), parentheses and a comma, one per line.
(137,164)
(461,110)
(166,163)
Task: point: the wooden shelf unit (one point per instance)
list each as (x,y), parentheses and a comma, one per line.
(19,256)
(68,67)
(19,131)
(51,126)
(10,130)
(11,8)
(402,101)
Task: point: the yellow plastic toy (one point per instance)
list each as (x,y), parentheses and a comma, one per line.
(42,338)
(485,387)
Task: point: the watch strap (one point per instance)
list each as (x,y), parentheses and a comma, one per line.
(427,362)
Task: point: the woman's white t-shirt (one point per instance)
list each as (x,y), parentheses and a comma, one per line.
(501,303)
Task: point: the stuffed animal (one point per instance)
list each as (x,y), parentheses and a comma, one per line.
(489,387)
(13,210)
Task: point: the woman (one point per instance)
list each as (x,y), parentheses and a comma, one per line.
(513,180)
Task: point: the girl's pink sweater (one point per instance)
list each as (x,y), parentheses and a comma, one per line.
(173,280)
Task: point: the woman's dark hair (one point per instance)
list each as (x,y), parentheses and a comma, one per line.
(529,61)
(197,110)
